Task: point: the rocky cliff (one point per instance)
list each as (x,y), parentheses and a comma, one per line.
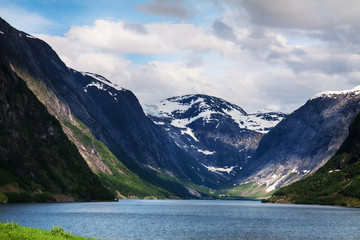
(118,121)
(304,141)
(336,183)
(37,161)
(220,135)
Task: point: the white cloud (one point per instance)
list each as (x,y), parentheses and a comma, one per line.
(306,14)
(252,63)
(330,20)
(24,20)
(158,38)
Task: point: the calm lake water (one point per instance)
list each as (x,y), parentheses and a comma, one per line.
(189,219)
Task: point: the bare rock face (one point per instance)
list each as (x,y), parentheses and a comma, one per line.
(35,155)
(113,115)
(220,135)
(305,140)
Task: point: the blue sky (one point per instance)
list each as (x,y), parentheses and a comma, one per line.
(257,54)
(62,14)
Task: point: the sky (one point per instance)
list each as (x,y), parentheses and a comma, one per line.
(273,54)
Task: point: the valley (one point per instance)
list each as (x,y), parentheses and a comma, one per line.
(183,147)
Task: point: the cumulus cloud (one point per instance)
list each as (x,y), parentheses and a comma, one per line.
(257,54)
(330,20)
(330,64)
(158,38)
(307,14)
(118,37)
(167,8)
(224,31)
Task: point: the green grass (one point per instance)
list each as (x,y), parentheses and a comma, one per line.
(14,231)
(3,198)
(244,191)
(122,180)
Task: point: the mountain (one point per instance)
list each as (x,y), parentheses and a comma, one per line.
(37,161)
(220,135)
(304,141)
(112,114)
(111,171)
(185,147)
(336,183)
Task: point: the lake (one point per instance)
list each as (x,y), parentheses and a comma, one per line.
(189,219)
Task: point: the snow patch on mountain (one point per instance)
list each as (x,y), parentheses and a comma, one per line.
(182,123)
(98,85)
(355,90)
(205,107)
(206,152)
(103,80)
(152,110)
(273,186)
(219,169)
(32,37)
(253,122)
(102,83)
(189,132)
(159,123)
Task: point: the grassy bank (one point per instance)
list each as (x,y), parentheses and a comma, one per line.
(14,231)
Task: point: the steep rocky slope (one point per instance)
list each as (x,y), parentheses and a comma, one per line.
(117,121)
(218,134)
(112,172)
(304,141)
(336,183)
(37,161)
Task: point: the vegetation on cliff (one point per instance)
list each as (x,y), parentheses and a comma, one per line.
(113,174)
(37,161)
(336,183)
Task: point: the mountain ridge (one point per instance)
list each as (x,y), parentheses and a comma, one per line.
(336,183)
(220,135)
(305,140)
(37,161)
(129,134)
(111,172)
(191,145)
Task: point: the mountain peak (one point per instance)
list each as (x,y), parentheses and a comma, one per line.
(220,135)
(183,110)
(330,94)
(102,80)
(204,102)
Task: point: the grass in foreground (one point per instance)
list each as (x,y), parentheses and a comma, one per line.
(14,231)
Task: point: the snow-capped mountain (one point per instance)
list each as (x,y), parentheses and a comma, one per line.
(184,110)
(305,140)
(219,134)
(113,115)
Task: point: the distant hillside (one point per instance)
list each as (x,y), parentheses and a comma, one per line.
(37,161)
(336,183)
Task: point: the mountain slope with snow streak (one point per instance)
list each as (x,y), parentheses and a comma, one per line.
(188,108)
(305,140)
(217,133)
